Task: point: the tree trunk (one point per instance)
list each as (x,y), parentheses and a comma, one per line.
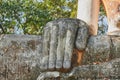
(88,11)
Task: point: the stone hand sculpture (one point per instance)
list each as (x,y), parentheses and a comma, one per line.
(61,37)
(64,37)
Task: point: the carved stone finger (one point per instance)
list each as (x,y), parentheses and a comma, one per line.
(61,43)
(82,36)
(53,45)
(69,45)
(45,51)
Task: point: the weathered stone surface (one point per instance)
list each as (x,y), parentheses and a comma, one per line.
(99,47)
(82,36)
(23,57)
(115,49)
(107,70)
(19,57)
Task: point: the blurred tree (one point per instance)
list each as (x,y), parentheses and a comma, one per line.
(29,16)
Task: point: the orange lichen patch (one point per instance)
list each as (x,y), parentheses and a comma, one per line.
(77,57)
(63,70)
(79,53)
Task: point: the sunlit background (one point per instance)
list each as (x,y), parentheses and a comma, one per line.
(30,16)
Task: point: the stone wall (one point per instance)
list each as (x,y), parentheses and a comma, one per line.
(19,57)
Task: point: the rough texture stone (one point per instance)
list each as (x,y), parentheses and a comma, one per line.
(99,47)
(104,71)
(115,49)
(20,56)
(23,57)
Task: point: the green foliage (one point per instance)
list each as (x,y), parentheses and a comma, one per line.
(32,15)
(102,10)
